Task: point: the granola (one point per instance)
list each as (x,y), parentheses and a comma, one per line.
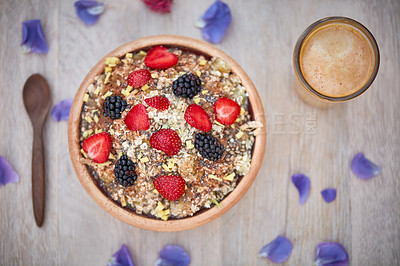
(207,182)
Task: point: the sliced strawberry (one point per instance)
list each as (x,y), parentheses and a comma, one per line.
(198,118)
(159,102)
(171,187)
(138,78)
(226,111)
(137,118)
(97,147)
(166,140)
(159,58)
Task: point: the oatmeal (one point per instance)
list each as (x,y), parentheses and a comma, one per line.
(167,133)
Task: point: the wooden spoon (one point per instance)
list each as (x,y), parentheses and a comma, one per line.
(36,94)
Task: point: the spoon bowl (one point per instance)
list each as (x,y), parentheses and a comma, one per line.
(36,96)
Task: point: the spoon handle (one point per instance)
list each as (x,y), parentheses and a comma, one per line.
(38,174)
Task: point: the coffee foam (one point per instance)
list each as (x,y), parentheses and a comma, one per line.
(336,60)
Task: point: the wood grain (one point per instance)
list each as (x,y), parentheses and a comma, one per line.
(318,142)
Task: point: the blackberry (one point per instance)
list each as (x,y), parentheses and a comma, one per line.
(208,146)
(113,106)
(187,86)
(125,171)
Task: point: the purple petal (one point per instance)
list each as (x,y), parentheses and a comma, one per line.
(89,11)
(329,194)
(33,39)
(122,257)
(61,110)
(173,255)
(7,173)
(364,168)
(215,21)
(302,183)
(331,254)
(278,250)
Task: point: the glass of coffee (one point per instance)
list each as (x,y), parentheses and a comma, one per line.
(336,59)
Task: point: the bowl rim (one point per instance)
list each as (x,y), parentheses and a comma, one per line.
(129,216)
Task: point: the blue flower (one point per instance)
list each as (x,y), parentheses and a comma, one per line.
(33,39)
(7,173)
(61,110)
(329,194)
(89,11)
(331,254)
(215,21)
(364,168)
(278,250)
(173,255)
(302,183)
(121,258)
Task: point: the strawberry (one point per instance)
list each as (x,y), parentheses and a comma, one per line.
(171,187)
(159,102)
(137,118)
(159,58)
(226,111)
(166,140)
(138,78)
(198,118)
(97,147)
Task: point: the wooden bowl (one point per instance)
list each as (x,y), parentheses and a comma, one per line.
(127,215)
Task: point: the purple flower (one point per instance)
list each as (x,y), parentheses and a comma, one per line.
(302,183)
(278,250)
(172,255)
(364,168)
(329,194)
(160,6)
(121,258)
(89,11)
(215,22)
(7,173)
(61,110)
(331,254)
(33,39)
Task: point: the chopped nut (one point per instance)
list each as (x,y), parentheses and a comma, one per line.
(154,75)
(251,125)
(155,191)
(189,144)
(203,62)
(145,87)
(107,77)
(123,201)
(204,91)
(196,100)
(159,207)
(89,119)
(97,91)
(129,55)
(198,73)
(144,159)
(98,130)
(85,97)
(134,91)
(96,118)
(87,133)
(219,124)
(242,111)
(166,168)
(124,92)
(111,131)
(181,73)
(129,89)
(239,134)
(111,156)
(142,53)
(229,177)
(107,69)
(214,177)
(108,93)
(103,164)
(112,60)
(84,153)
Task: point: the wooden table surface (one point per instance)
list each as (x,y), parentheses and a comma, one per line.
(365,217)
